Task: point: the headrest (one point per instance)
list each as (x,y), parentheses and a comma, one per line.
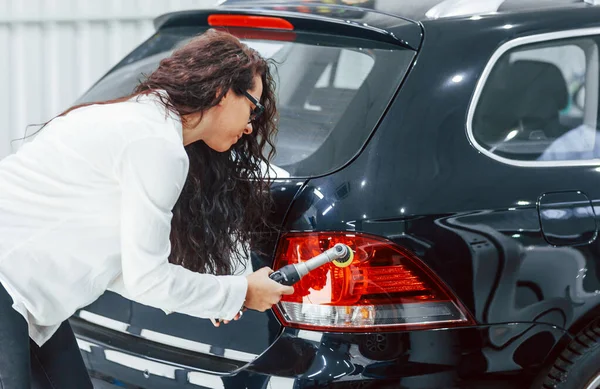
(539,89)
(522,91)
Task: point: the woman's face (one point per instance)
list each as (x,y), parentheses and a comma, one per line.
(227,122)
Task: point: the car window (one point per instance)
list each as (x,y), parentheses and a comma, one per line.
(540,103)
(331,92)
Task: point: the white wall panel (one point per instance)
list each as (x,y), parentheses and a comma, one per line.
(51,51)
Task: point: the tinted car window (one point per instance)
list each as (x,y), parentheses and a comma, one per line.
(331,92)
(540,103)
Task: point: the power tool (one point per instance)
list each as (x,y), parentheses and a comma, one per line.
(340,254)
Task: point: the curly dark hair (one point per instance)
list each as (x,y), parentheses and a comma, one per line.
(226,197)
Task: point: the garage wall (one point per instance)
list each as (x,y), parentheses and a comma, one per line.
(51,51)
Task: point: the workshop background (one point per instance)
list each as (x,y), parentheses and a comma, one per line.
(52,51)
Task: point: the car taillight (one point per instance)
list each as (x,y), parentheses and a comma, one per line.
(385,288)
(254,27)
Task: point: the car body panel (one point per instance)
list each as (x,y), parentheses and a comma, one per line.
(481,357)
(419,194)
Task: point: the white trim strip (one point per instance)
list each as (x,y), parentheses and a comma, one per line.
(281,382)
(205,380)
(175,341)
(165,339)
(85,345)
(103,321)
(239,355)
(310,335)
(195,346)
(141,364)
(483,79)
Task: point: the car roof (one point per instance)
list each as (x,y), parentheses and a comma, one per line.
(421,10)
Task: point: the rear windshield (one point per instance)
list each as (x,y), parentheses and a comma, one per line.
(331,91)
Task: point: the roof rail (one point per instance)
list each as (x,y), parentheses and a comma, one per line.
(448,8)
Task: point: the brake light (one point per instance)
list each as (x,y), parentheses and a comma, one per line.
(385,288)
(249,21)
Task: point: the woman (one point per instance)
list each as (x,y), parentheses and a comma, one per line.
(149,195)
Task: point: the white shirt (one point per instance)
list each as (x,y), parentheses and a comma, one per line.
(575,145)
(86,207)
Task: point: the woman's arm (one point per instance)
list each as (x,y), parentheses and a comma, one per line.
(152,172)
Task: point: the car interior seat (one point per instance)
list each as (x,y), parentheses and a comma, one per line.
(519,109)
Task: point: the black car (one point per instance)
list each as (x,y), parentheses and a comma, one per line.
(454,146)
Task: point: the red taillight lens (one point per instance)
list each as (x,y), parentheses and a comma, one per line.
(249,21)
(385,288)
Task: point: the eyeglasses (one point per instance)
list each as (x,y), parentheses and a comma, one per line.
(258,107)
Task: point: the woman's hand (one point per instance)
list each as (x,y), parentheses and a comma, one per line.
(217,322)
(263,292)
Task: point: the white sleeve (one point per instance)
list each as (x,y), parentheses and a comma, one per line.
(152,173)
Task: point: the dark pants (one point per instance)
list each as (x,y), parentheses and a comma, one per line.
(56,365)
